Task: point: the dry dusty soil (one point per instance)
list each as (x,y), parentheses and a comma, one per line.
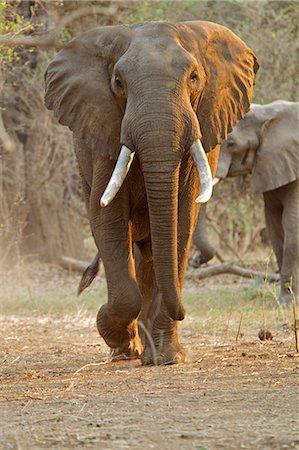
(59,390)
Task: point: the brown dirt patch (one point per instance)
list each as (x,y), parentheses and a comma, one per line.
(223,398)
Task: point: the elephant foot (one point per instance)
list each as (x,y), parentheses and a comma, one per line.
(199,259)
(132,351)
(168,353)
(195,261)
(118,354)
(123,339)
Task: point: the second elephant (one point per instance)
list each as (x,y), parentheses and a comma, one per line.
(266,144)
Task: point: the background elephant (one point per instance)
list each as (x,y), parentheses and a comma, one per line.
(159,91)
(206,250)
(266,144)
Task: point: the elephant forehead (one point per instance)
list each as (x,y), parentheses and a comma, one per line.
(148,54)
(156,37)
(163,54)
(155,30)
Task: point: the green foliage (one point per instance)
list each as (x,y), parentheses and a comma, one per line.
(65,35)
(147,10)
(11,23)
(8,55)
(10,19)
(288,285)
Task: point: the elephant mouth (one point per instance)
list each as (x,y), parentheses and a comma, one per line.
(125,160)
(237,171)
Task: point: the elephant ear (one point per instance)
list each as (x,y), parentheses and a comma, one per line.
(77,85)
(230,68)
(277,158)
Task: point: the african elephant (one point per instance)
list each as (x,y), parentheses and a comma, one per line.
(266,144)
(145,102)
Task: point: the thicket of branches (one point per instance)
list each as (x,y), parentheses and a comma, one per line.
(41,208)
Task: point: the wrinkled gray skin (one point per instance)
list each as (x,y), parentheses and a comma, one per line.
(154,88)
(266,144)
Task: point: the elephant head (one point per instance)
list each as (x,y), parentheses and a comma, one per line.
(265,143)
(159,91)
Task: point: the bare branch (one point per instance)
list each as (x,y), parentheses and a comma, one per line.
(51,39)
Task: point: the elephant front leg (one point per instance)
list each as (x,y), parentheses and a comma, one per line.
(117,319)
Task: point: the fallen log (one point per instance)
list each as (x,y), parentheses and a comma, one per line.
(76,265)
(87,270)
(73,265)
(231,268)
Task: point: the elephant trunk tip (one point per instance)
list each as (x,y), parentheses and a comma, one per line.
(176,310)
(181,314)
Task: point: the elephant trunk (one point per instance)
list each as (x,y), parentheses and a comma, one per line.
(162,182)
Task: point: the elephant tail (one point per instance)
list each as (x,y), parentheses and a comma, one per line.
(89,274)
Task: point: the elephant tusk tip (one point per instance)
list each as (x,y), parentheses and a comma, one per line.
(104,202)
(204,198)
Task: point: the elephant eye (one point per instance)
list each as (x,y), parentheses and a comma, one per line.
(118,83)
(194,76)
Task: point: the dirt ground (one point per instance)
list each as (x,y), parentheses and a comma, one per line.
(59,390)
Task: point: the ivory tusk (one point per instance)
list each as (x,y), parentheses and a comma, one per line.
(118,176)
(204,171)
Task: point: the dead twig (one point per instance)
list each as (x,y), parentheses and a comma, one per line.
(103,363)
(239,331)
(227,328)
(150,340)
(296,321)
(35,398)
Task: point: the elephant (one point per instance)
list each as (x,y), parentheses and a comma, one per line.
(265,144)
(148,105)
